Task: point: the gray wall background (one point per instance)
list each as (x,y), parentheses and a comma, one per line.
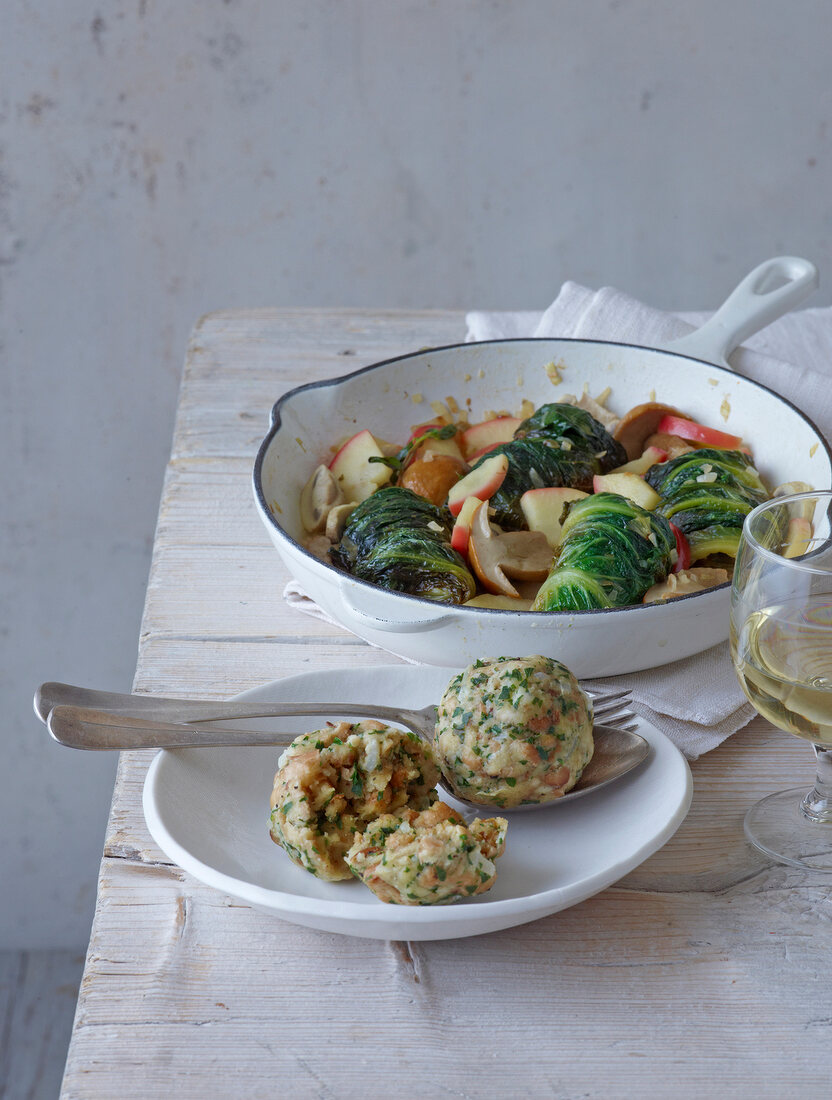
(162,159)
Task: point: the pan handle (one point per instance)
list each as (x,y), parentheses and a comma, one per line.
(368,618)
(765,294)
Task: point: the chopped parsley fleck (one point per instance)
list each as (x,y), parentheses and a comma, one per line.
(357,786)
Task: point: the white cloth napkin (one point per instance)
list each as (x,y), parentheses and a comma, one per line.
(696,702)
(694,721)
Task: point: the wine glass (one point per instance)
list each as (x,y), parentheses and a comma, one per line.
(781,646)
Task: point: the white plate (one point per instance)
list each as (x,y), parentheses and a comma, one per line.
(208,810)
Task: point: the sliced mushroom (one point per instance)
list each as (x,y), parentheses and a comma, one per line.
(790,487)
(799,537)
(638,423)
(803,509)
(685,582)
(497,555)
(673,444)
(500,603)
(319,496)
(336,521)
(595,408)
(319,545)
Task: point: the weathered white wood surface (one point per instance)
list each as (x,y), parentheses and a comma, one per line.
(704,972)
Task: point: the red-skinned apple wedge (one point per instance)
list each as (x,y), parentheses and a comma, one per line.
(698,433)
(481,483)
(438,446)
(682,550)
(462,528)
(480,438)
(355,475)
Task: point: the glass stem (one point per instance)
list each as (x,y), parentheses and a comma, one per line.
(817,805)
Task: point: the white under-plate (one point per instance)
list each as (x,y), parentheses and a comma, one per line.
(208,810)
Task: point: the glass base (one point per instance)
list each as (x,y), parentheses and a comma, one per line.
(778,826)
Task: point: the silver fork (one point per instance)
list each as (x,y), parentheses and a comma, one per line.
(158,709)
(83,717)
(105,720)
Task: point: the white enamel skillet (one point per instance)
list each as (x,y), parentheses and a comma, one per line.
(691,374)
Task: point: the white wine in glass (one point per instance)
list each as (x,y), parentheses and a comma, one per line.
(781,645)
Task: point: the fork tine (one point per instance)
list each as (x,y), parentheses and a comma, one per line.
(606,709)
(626,722)
(609,696)
(612,701)
(615,714)
(630,727)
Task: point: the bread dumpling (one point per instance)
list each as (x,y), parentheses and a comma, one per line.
(427,858)
(513,730)
(333,782)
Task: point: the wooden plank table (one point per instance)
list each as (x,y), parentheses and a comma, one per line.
(705,972)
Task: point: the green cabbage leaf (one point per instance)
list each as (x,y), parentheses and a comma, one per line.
(611,552)
(400,541)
